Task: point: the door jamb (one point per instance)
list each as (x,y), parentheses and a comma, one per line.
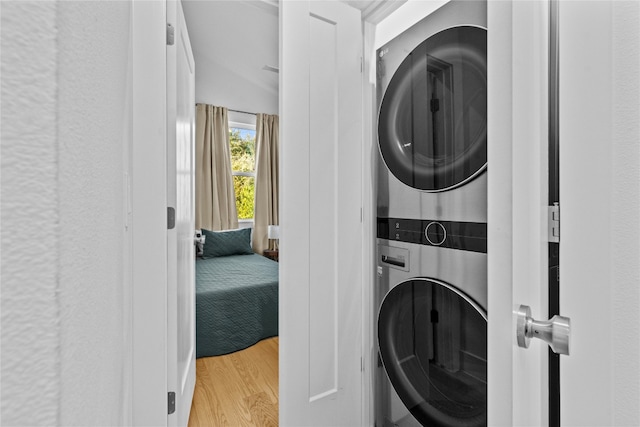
(149,222)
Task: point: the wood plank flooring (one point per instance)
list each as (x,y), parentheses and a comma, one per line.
(238,389)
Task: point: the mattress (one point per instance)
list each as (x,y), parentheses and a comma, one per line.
(236,303)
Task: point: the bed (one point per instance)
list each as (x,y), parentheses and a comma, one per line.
(236,302)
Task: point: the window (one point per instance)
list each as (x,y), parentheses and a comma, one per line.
(242,140)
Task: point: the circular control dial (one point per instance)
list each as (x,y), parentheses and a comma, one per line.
(435,233)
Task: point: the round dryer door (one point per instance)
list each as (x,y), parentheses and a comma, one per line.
(433,345)
(432,126)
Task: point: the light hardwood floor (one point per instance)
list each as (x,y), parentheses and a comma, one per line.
(238,389)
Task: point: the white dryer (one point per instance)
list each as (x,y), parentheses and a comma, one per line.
(432,117)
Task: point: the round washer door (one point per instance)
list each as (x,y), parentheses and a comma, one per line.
(433,344)
(432,126)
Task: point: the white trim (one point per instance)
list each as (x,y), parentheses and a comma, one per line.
(241,173)
(245,223)
(149,222)
(369,353)
(243,125)
(377,12)
(246,126)
(403,18)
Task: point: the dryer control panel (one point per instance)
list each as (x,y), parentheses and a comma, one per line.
(466,236)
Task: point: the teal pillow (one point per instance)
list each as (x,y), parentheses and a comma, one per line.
(228,242)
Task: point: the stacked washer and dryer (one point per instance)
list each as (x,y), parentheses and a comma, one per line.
(431,282)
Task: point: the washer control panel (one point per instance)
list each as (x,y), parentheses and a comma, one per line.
(467,236)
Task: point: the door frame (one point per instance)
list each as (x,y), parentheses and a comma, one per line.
(149,220)
(181,376)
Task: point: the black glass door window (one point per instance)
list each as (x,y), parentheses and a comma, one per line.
(432,127)
(433,344)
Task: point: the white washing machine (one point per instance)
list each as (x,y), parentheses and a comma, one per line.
(431,332)
(431,282)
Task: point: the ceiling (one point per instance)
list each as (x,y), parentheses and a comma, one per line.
(233,42)
(239,38)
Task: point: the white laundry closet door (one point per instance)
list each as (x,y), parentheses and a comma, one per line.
(517,195)
(321,230)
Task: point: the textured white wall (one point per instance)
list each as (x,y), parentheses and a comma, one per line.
(29,215)
(94,134)
(66,135)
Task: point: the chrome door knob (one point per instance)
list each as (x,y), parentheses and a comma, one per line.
(556,331)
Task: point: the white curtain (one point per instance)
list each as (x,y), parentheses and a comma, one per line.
(267,164)
(215,198)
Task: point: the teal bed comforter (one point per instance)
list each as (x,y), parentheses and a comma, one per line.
(236,303)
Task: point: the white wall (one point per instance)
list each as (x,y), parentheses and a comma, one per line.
(29,208)
(600,89)
(232,41)
(94,133)
(65,276)
(599,134)
(625,256)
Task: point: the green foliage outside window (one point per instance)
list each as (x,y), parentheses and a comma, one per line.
(243,144)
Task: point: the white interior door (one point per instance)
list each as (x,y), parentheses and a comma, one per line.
(321,229)
(180,196)
(599,270)
(517,191)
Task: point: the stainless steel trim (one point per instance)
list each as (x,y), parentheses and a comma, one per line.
(553,223)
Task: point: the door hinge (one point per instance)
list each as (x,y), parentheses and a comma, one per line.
(171,218)
(361,64)
(554,223)
(171,402)
(170,34)
(361,364)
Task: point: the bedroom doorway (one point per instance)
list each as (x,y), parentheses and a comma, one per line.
(235,47)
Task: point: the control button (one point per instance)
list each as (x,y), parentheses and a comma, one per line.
(435,233)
